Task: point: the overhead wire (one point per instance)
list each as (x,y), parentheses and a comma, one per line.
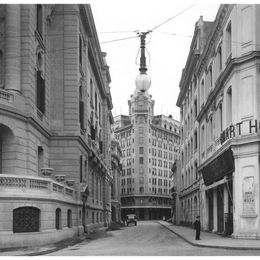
(121,39)
(133,31)
(72,48)
(169,19)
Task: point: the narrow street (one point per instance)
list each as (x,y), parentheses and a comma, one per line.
(147,238)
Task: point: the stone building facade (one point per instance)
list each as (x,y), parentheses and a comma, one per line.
(188,101)
(176,210)
(116,155)
(55,117)
(150,144)
(227,77)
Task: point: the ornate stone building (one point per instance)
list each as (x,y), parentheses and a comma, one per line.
(226,73)
(55,117)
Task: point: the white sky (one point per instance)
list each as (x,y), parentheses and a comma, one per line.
(168,53)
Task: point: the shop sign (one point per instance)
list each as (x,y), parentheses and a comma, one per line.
(236,129)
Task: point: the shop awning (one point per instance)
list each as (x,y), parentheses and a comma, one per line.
(222,166)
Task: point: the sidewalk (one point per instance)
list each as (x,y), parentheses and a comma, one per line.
(210,239)
(47,249)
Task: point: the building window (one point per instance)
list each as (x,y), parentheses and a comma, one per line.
(40,92)
(210,76)
(93,217)
(81,109)
(99,112)
(91,92)
(141,150)
(80,169)
(210,132)
(80,50)
(220,116)
(141,189)
(228,40)
(195,109)
(202,91)
(26,219)
(39,18)
(202,139)
(229,106)
(1,69)
(141,160)
(40,158)
(58,218)
(96,102)
(69,218)
(220,58)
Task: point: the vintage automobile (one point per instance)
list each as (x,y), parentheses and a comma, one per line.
(131,218)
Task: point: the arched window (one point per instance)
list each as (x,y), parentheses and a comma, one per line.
(26,219)
(69,218)
(58,218)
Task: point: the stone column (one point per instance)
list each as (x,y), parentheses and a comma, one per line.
(215,211)
(13,48)
(225,200)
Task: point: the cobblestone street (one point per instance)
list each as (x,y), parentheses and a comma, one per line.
(147,238)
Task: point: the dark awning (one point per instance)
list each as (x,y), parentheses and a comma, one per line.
(222,166)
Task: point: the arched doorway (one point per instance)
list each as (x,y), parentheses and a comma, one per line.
(113,214)
(7,150)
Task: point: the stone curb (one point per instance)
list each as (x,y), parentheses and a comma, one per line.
(209,246)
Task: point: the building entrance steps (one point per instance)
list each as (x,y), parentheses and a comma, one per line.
(211,240)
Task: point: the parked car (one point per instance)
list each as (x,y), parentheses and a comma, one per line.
(131,218)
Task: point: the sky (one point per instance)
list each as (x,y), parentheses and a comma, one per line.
(167,52)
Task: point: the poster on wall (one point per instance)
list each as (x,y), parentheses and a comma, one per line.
(248,197)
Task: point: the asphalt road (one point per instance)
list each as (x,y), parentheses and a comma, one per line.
(145,239)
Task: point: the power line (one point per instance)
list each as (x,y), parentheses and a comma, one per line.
(121,39)
(173,17)
(133,31)
(177,34)
(77,47)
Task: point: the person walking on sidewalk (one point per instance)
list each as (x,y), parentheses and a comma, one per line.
(196,225)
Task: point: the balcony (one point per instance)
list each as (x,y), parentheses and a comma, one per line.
(99,158)
(15,101)
(33,186)
(6,97)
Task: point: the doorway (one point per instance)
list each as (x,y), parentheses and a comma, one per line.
(220,209)
(211,216)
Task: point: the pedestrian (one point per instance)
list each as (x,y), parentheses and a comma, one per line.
(196,225)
